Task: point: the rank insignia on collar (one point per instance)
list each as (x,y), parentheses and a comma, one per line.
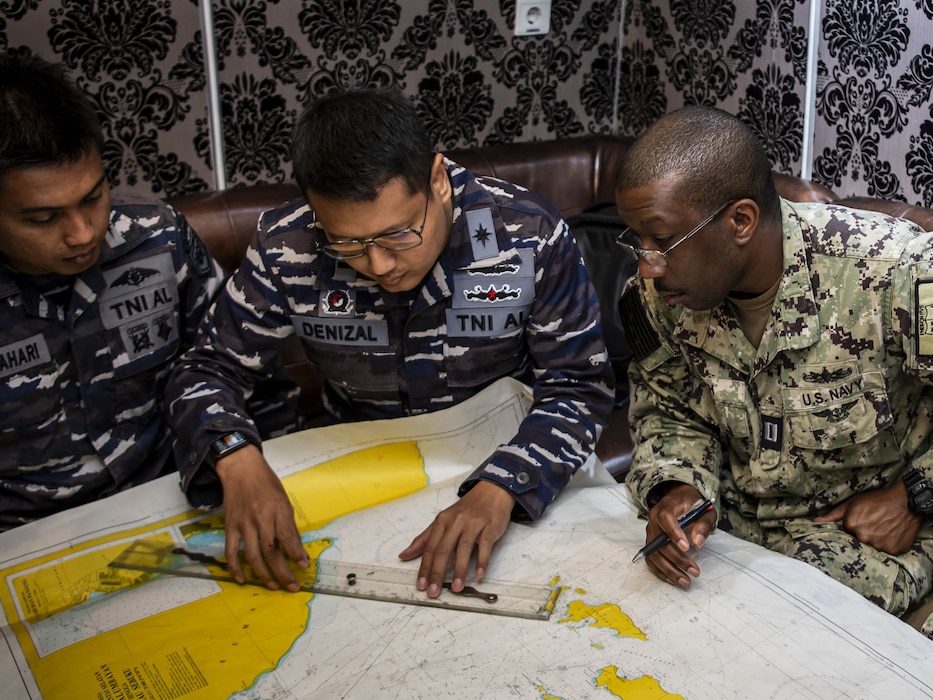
(339,302)
(482,233)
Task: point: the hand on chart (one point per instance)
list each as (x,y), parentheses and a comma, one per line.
(259,514)
(671,562)
(474,523)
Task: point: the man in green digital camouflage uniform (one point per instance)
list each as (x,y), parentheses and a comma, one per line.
(783,364)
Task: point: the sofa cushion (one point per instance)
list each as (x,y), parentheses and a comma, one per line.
(571,173)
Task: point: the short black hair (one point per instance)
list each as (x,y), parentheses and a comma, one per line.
(44,118)
(348,144)
(716,157)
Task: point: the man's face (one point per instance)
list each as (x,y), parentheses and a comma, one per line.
(701,272)
(395,208)
(53,218)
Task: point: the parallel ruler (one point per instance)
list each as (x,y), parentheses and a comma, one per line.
(372,582)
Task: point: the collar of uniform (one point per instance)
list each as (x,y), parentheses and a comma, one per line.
(470,195)
(794,320)
(8,287)
(795,315)
(125,232)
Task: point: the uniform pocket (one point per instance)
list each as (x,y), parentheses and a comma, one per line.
(360,373)
(831,407)
(730,397)
(479,361)
(33,417)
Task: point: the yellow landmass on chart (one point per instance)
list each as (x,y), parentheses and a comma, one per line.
(209,648)
(644,688)
(609,615)
(604,615)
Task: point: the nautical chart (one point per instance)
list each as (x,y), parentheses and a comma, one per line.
(755,625)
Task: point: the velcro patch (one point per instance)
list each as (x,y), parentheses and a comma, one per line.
(923,318)
(639,332)
(772,432)
(23,355)
(343,331)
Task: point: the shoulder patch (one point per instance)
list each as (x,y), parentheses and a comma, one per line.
(198,257)
(923,317)
(641,335)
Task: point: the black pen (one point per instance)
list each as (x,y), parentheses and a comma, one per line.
(690,516)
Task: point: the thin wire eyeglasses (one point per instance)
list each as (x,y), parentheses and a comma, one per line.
(657,258)
(394,241)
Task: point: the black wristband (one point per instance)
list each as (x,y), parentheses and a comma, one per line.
(231,442)
(919,493)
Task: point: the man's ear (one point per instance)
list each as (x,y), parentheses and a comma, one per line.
(745,216)
(440,183)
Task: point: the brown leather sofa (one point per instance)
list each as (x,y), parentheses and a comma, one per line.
(571,173)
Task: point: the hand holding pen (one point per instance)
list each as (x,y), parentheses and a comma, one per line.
(699,508)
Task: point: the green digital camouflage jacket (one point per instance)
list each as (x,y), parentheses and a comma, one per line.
(837,398)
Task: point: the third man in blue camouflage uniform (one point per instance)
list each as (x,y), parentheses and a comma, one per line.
(98,295)
(413,284)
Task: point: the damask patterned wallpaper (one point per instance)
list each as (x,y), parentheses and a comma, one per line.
(472,80)
(475,83)
(873,132)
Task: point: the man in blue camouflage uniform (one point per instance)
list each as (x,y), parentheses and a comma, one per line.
(413,285)
(97,297)
(783,364)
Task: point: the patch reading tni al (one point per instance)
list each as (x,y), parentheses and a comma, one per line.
(923,319)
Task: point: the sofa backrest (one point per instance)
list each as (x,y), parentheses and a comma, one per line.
(572,173)
(226,220)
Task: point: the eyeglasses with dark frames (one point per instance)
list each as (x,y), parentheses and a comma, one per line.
(394,241)
(658,258)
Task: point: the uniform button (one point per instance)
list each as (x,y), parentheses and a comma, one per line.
(522,478)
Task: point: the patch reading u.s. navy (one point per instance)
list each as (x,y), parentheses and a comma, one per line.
(141,299)
(23,355)
(338,302)
(923,318)
(343,331)
(639,332)
(772,432)
(482,233)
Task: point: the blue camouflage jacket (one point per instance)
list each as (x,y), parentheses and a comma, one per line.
(83,362)
(509,296)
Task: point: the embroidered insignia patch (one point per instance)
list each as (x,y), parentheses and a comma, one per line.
(497,269)
(491,294)
(825,376)
(337,301)
(482,234)
(772,430)
(198,256)
(133,277)
(923,318)
(139,335)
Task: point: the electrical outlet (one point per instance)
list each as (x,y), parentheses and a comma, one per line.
(532,17)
